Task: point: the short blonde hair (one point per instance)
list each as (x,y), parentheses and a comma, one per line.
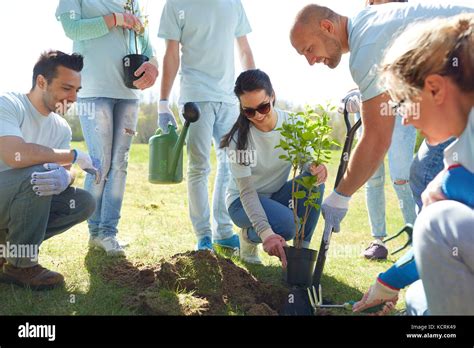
(443,46)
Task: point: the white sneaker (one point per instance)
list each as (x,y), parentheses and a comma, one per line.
(109,244)
(248,250)
(93,243)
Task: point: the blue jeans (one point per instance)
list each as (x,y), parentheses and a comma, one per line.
(216,120)
(400,156)
(426,165)
(280,216)
(108,133)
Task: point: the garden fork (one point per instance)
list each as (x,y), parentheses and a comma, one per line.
(408,229)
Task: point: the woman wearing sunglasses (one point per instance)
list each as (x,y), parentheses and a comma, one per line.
(259,194)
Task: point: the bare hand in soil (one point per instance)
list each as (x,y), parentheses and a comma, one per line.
(273,246)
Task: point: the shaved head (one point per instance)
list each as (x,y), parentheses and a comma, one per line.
(313,15)
(316,34)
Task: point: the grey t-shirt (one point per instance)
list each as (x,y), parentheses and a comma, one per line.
(269,173)
(18,117)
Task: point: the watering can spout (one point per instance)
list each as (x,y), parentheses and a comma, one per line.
(191,114)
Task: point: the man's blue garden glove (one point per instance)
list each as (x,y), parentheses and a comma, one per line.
(53,182)
(334,209)
(165,116)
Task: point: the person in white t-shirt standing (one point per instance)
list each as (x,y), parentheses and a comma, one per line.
(206,31)
(104,32)
(400,157)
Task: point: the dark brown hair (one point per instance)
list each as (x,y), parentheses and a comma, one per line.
(49,61)
(248,81)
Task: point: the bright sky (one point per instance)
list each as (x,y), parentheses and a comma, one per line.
(30,27)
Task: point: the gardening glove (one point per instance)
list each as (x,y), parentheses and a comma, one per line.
(334,209)
(165,116)
(433,191)
(150,74)
(351,102)
(377,294)
(53,182)
(319,171)
(87,164)
(273,246)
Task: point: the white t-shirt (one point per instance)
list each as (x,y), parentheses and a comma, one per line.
(18,117)
(372,31)
(207,30)
(269,173)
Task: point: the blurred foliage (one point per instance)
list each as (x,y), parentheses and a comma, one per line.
(148,114)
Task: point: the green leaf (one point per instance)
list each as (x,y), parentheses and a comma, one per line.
(299,194)
(308,136)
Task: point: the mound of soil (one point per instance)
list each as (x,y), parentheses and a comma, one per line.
(197,283)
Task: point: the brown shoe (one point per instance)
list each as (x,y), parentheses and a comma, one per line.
(35,278)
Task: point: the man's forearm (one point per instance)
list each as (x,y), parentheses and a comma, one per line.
(364,161)
(247,61)
(245,53)
(170,70)
(27,155)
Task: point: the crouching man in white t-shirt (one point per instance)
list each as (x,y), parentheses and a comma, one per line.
(37,200)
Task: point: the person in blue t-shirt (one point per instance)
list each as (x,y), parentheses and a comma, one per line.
(206,31)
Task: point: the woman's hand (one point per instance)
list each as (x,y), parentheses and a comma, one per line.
(320,171)
(273,246)
(128,21)
(150,73)
(378,294)
(433,192)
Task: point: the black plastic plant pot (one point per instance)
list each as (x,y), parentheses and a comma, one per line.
(131,63)
(300,268)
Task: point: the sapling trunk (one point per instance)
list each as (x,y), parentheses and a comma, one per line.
(295,203)
(134,32)
(306,214)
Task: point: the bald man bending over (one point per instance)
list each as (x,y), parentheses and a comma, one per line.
(323,36)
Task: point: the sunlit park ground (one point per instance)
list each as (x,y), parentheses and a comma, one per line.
(155,222)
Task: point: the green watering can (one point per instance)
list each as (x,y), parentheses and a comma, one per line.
(166,150)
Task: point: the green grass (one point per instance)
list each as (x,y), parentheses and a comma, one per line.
(155,222)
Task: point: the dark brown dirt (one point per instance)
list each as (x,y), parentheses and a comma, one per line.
(197,283)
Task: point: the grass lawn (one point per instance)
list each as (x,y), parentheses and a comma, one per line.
(155,222)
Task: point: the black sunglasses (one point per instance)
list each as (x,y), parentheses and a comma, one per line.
(262,109)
